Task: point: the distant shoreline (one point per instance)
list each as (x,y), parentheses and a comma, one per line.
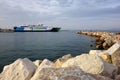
(6,30)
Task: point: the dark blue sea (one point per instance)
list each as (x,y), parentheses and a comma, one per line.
(40,45)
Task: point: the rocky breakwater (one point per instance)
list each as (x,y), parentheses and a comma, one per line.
(104,40)
(96,65)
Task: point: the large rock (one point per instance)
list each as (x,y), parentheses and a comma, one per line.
(114,48)
(116,38)
(114,51)
(102,54)
(106,45)
(91,64)
(45,64)
(116,58)
(58,63)
(108,42)
(69,73)
(21,69)
(37,62)
(105,57)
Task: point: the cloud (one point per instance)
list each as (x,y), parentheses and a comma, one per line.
(58,12)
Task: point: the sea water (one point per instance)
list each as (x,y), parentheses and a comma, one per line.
(41,45)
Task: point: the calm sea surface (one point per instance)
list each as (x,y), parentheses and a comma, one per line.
(40,45)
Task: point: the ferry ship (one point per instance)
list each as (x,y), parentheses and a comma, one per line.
(36,28)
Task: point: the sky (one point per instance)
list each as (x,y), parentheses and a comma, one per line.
(67,14)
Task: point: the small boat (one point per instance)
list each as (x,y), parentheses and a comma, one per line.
(36,28)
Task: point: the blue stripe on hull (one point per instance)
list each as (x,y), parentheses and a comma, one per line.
(32,31)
